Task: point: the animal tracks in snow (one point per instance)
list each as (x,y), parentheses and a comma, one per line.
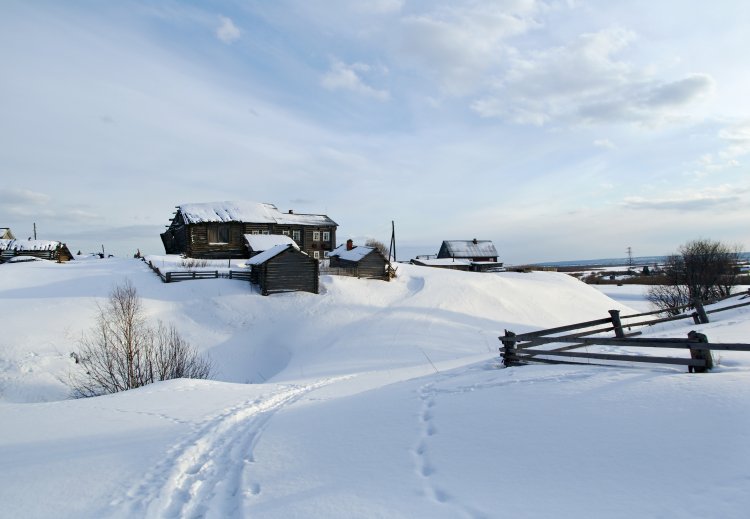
(209,473)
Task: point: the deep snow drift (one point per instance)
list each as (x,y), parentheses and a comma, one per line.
(372,399)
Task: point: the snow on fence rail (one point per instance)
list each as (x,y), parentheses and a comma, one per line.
(518,349)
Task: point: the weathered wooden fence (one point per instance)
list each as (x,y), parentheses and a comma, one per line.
(523,348)
(173,276)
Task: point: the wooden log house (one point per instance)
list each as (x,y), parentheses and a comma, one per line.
(218,229)
(367,262)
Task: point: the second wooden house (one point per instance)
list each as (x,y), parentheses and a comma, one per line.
(365,262)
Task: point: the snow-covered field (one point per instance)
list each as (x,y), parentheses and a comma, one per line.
(372,399)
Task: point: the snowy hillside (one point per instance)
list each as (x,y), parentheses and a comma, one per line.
(372,399)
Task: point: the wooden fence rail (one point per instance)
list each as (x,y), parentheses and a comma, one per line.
(518,349)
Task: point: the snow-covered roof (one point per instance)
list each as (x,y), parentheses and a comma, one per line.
(249,212)
(355,254)
(28,245)
(268,254)
(468,249)
(262,242)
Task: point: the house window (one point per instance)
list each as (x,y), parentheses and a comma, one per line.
(316,235)
(265,232)
(316,254)
(295,235)
(326,254)
(218,233)
(285,232)
(256,232)
(326,236)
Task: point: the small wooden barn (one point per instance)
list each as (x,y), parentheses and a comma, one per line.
(284,268)
(366,262)
(44,249)
(218,229)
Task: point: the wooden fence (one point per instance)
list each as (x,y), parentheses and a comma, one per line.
(523,348)
(173,276)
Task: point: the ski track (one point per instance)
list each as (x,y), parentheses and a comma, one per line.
(208,474)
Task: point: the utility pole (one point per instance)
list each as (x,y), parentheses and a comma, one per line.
(34,230)
(392,246)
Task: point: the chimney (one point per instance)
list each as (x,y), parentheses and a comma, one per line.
(291,211)
(349,244)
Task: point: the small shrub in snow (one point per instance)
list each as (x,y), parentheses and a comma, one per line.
(193,263)
(122,351)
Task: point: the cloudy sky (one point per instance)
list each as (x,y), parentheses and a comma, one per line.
(559,129)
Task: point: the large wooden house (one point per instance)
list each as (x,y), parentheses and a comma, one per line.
(218,229)
(365,262)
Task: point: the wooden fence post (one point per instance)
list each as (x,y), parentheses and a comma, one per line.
(509,355)
(617,324)
(700,354)
(700,310)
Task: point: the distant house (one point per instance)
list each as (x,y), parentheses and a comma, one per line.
(45,249)
(284,268)
(6,234)
(472,250)
(367,262)
(218,229)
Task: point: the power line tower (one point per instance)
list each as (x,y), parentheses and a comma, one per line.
(630,256)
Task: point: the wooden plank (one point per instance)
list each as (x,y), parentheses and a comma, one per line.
(559,329)
(627,358)
(727,308)
(645,343)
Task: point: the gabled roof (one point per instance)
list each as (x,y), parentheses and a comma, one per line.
(262,242)
(268,254)
(6,234)
(247,212)
(468,249)
(355,254)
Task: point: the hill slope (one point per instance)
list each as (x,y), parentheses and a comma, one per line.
(375,400)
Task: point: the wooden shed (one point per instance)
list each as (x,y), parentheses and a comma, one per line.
(284,268)
(366,262)
(44,249)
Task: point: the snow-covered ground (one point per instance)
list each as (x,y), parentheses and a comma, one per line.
(372,399)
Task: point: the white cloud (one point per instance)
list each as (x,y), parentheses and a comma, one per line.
(588,81)
(227,31)
(461,43)
(718,198)
(347,77)
(16,196)
(605,144)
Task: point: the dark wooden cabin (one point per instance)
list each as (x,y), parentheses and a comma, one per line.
(367,262)
(473,250)
(284,268)
(218,229)
(44,249)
